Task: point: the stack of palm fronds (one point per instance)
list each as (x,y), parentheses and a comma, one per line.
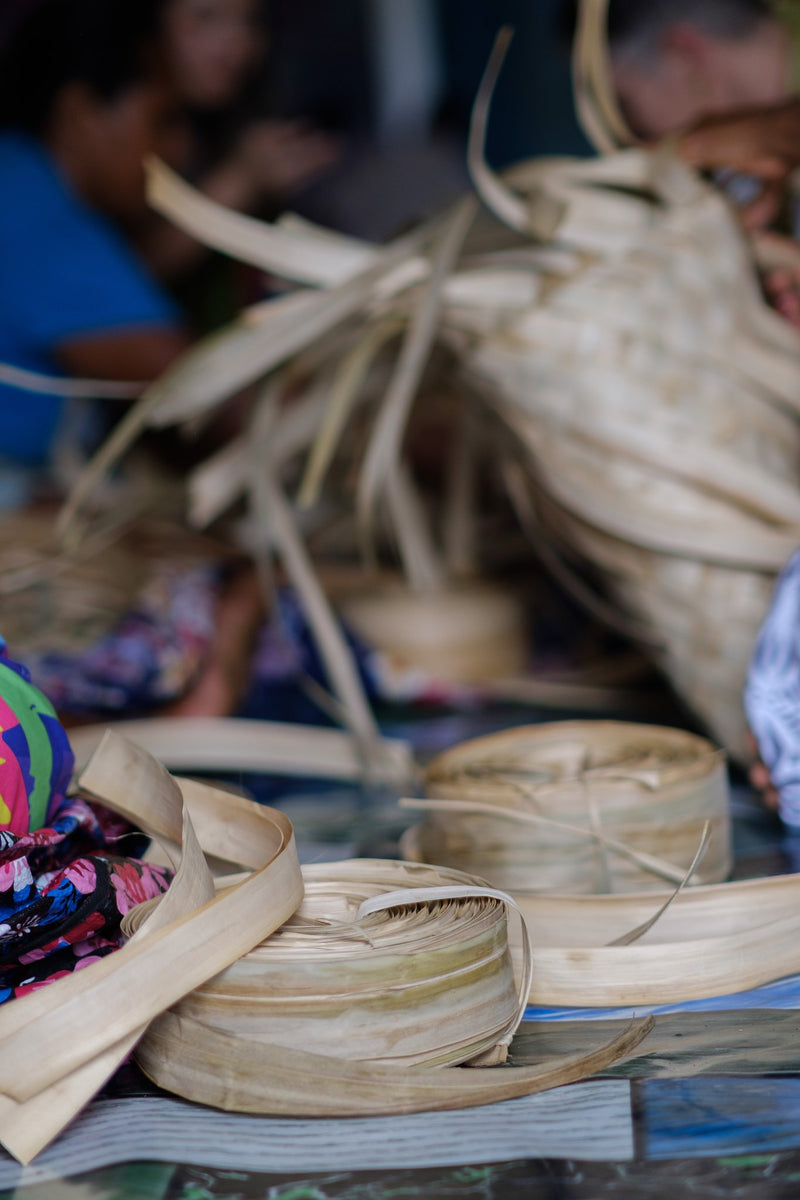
(610,320)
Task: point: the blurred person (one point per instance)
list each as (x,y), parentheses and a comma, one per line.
(676,62)
(719,77)
(81,103)
(83,100)
(375,74)
(213,49)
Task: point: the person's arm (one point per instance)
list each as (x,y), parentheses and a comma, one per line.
(138,354)
(762,142)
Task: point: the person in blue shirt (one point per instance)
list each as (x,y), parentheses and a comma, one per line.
(82,101)
(86,93)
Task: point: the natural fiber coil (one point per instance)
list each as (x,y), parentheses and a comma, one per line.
(577,806)
(281,1031)
(467,633)
(427,984)
(60,1044)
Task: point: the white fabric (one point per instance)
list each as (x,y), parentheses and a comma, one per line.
(772,691)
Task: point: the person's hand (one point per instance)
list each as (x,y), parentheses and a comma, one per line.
(762,142)
(759,777)
(279,158)
(782,289)
(778,259)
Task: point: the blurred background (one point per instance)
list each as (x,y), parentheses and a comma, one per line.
(397,82)
(394,83)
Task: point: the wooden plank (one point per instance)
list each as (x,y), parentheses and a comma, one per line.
(752,1042)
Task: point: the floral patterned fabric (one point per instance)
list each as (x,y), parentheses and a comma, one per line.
(150,658)
(63,887)
(63,893)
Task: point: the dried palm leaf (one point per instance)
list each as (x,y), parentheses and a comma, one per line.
(652,394)
(595,99)
(236,744)
(380,961)
(57,385)
(324,261)
(287,1083)
(84,1025)
(601,950)
(712,940)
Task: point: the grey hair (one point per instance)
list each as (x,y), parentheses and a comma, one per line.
(635,27)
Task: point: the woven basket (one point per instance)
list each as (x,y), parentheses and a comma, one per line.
(577,806)
(619,332)
(655,397)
